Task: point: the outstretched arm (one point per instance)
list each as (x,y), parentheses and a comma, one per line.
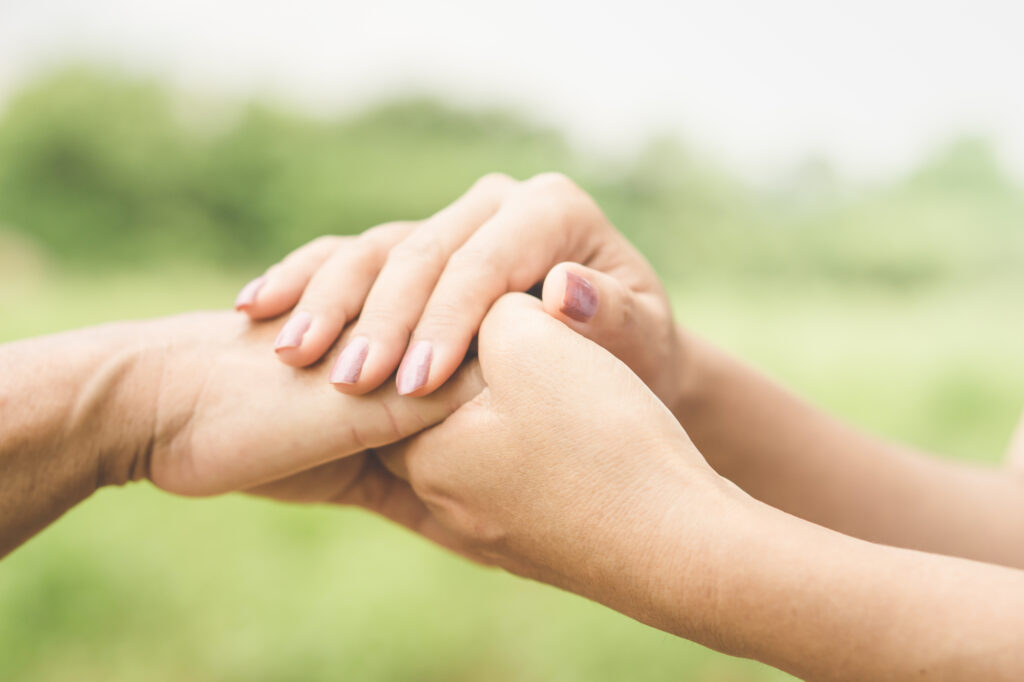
(793,456)
(194,403)
(69,404)
(439,277)
(568,470)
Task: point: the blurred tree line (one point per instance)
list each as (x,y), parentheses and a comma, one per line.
(103,170)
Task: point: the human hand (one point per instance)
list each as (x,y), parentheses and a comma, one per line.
(566,468)
(226,419)
(420,290)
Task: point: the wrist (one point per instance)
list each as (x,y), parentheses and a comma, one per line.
(121,398)
(697,535)
(654,556)
(688,380)
(76,410)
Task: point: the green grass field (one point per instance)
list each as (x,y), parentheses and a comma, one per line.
(138,585)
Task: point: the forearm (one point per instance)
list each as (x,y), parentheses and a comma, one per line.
(820,605)
(71,405)
(794,457)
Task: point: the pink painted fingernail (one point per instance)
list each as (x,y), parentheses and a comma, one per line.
(247,296)
(292,333)
(580,301)
(415,368)
(350,363)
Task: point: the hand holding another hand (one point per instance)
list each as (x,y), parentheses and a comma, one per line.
(227,417)
(566,468)
(420,290)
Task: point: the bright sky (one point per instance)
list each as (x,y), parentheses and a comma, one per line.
(871,84)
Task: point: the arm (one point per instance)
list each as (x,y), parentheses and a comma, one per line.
(68,404)
(191,403)
(439,277)
(792,456)
(825,606)
(568,470)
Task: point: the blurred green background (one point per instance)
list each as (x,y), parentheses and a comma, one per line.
(895,305)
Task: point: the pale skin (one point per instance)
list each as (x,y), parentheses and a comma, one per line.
(567,467)
(503,235)
(774,446)
(545,474)
(193,404)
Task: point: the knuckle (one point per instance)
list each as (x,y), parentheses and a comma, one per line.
(511,315)
(476,528)
(476,262)
(384,235)
(384,323)
(493,182)
(326,242)
(318,301)
(300,257)
(553,181)
(563,202)
(419,251)
(484,535)
(444,316)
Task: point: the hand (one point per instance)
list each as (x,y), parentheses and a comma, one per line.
(565,468)
(230,420)
(421,289)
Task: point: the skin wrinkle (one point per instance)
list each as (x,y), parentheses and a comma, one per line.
(93,399)
(358,481)
(577,473)
(181,443)
(357,438)
(396,430)
(143,469)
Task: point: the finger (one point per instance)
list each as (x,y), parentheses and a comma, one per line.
(335,294)
(545,220)
(280,287)
(380,491)
(393,457)
(515,330)
(361,480)
(398,296)
(324,483)
(603,309)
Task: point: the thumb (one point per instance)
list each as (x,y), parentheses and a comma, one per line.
(601,308)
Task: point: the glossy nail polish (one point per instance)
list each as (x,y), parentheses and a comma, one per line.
(292,333)
(415,368)
(580,301)
(350,363)
(247,296)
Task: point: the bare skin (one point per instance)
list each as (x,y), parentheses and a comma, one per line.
(543,474)
(191,403)
(503,235)
(571,466)
(791,455)
(748,578)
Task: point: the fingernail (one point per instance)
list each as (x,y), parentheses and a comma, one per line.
(292,332)
(580,302)
(247,296)
(415,368)
(350,363)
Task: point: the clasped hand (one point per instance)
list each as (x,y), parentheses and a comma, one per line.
(549,444)
(553,447)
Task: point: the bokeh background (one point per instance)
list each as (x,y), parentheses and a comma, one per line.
(832,190)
